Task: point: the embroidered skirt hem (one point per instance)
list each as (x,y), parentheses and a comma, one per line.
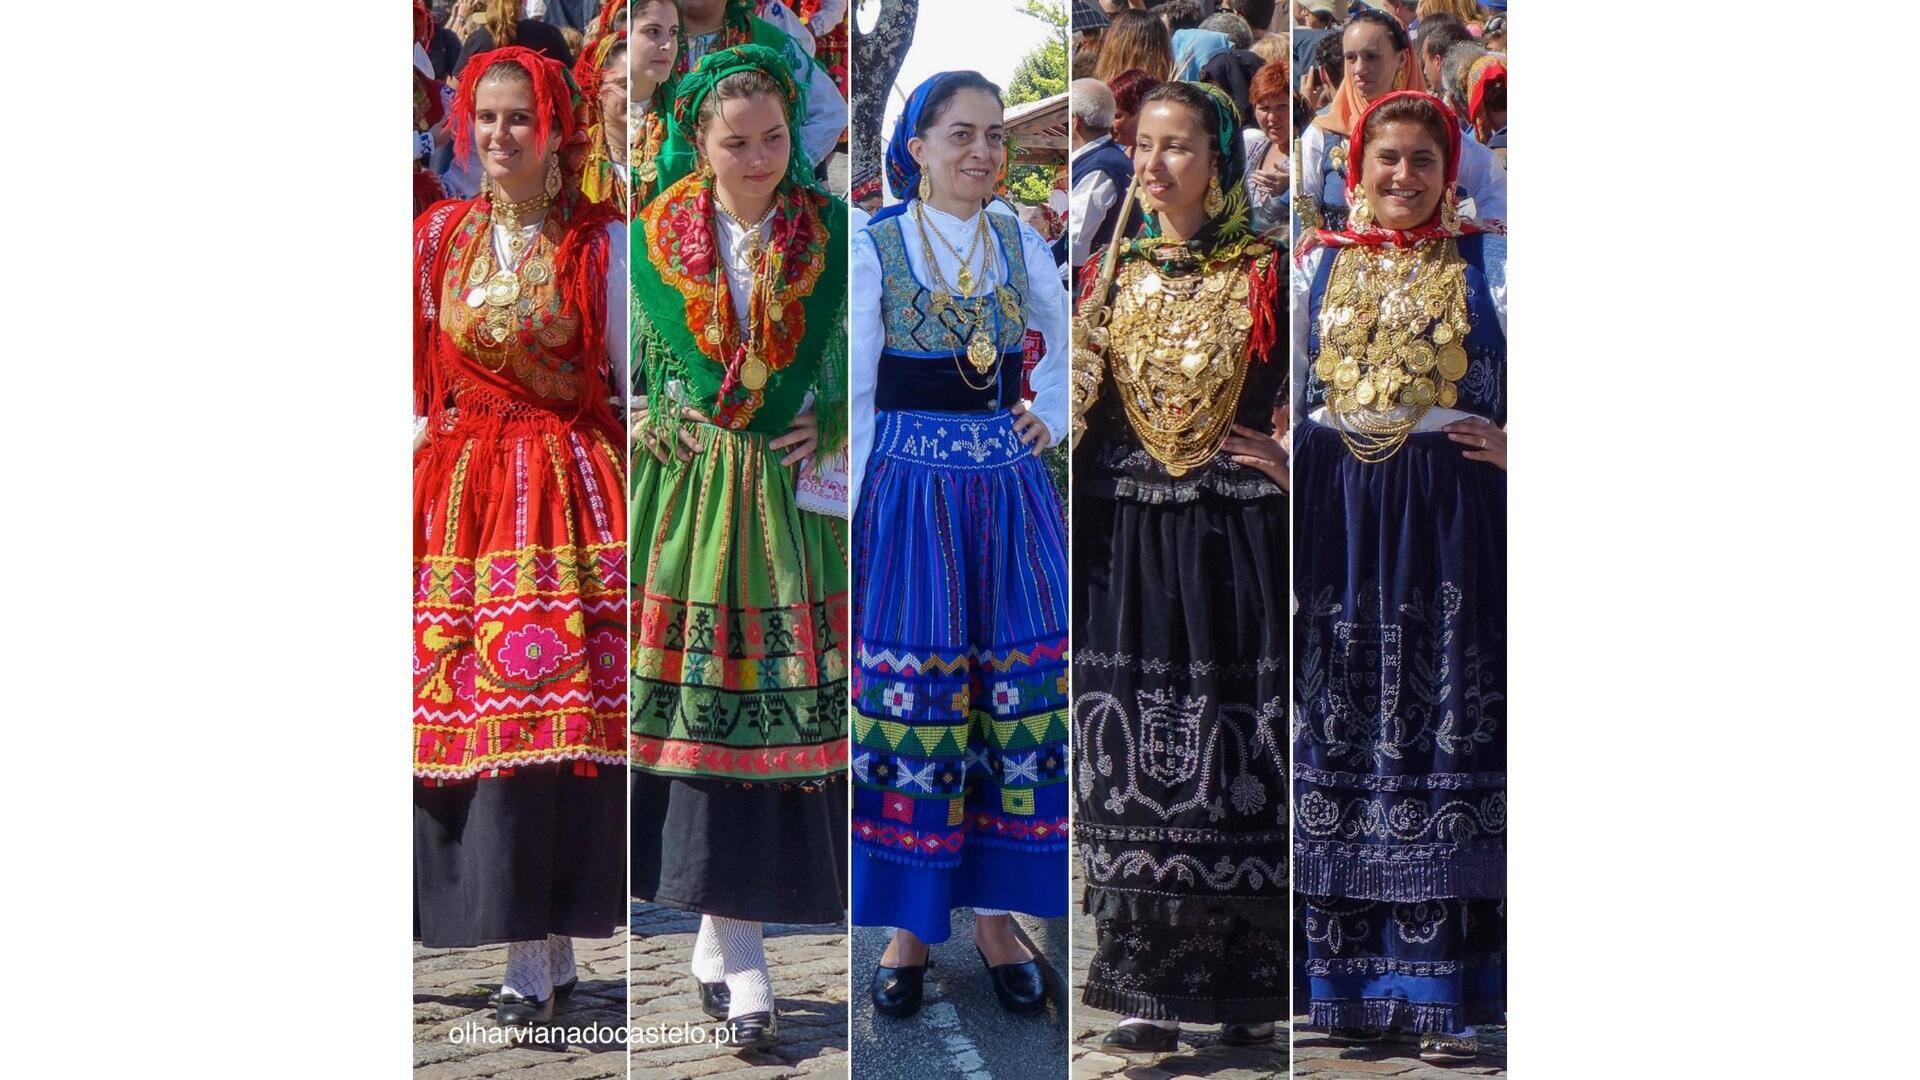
(1187,1010)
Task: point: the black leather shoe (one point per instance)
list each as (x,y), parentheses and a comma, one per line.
(517,1011)
(753,1031)
(1141,1039)
(896,990)
(714,998)
(560,992)
(1246,1034)
(1018,985)
(1355,1036)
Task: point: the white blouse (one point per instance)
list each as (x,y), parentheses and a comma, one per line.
(1298,295)
(1046,311)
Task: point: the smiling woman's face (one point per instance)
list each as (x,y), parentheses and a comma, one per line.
(964,147)
(747,142)
(1404,174)
(1172,156)
(504,120)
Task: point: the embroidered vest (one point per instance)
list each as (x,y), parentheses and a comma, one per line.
(924,355)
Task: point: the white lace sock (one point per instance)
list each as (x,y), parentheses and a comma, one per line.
(707,964)
(1163,1025)
(560,965)
(527,971)
(745,955)
(990,911)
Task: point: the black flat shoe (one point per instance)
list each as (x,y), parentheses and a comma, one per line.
(896,990)
(1246,1034)
(1018,985)
(517,1011)
(560,992)
(714,998)
(753,1031)
(1141,1039)
(1355,1036)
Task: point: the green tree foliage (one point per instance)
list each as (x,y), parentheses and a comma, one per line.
(1042,74)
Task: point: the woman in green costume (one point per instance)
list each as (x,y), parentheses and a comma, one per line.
(739,667)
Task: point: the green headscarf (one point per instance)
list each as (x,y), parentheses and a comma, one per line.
(1226,234)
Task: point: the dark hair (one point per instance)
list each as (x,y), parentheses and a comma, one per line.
(1086,60)
(1383,20)
(1329,55)
(1407,110)
(1198,101)
(1129,87)
(1183,14)
(1438,33)
(1258,13)
(942,96)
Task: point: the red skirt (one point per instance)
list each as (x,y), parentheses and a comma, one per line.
(520,599)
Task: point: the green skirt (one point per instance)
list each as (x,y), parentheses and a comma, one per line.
(739,652)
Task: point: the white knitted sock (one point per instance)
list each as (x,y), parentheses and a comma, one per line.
(1164,1025)
(707,964)
(990,911)
(527,971)
(560,965)
(748,984)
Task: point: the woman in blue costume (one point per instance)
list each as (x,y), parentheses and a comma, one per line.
(1400,576)
(959,683)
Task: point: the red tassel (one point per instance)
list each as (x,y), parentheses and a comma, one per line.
(1263,297)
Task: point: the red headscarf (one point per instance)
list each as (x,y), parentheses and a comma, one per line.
(553,96)
(1484,71)
(1444,222)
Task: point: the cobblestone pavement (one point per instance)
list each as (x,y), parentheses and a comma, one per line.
(450,988)
(809,968)
(1200,1052)
(1316,1056)
(961,1030)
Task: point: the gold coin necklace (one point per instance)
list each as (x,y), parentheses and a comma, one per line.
(761,260)
(1393,327)
(981,349)
(500,291)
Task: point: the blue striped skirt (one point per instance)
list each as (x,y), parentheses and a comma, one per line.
(960,678)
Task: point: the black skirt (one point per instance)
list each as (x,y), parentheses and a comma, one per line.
(753,852)
(516,858)
(1180,690)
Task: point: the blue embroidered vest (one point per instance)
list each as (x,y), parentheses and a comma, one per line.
(924,355)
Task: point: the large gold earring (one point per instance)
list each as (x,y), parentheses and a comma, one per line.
(1450,212)
(553,177)
(706,169)
(1216,199)
(1361,211)
(926,187)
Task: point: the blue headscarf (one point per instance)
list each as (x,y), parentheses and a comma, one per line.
(903,173)
(1193,48)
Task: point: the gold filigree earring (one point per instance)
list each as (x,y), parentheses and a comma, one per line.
(553,177)
(706,169)
(1216,199)
(926,187)
(1450,212)
(1361,211)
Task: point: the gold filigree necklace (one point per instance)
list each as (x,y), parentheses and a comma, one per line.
(505,293)
(1177,347)
(970,311)
(1392,333)
(761,261)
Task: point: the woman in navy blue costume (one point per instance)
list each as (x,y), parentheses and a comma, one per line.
(1400,577)
(959,557)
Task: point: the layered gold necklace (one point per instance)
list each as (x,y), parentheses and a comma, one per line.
(971,312)
(1393,328)
(763,262)
(505,292)
(1177,348)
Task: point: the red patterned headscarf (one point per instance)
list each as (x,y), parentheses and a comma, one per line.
(553,96)
(1483,73)
(1445,221)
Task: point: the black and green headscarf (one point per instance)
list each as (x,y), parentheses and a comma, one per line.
(1230,232)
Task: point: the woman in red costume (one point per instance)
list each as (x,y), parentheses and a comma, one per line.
(519,540)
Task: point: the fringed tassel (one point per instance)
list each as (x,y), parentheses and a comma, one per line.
(1263,294)
(1389,1014)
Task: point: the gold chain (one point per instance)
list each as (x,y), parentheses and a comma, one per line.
(964,279)
(753,365)
(1177,351)
(969,311)
(1393,327)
